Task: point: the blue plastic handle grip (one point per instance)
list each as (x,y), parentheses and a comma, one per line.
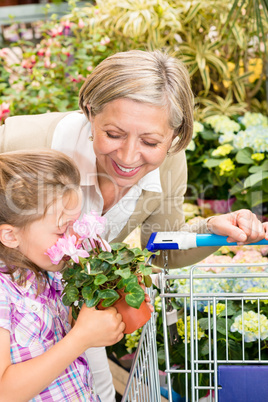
(204,240)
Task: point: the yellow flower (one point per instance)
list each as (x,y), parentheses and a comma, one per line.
(222,150)
(258,156)
(255,65)
(225,249)
(226,166)
(181,330)
(256,289)
(219,308)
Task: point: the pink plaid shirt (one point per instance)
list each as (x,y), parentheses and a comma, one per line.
(35,325)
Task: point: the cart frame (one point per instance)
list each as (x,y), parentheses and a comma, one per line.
(143,384)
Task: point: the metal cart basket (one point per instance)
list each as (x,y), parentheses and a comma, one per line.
(219,367)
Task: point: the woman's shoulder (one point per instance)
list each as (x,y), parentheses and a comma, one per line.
(175,163)
(29,131)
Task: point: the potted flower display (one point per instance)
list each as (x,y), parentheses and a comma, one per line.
(101,274)
(227,163)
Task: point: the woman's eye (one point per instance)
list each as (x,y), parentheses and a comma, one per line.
(150,144)
(112,135)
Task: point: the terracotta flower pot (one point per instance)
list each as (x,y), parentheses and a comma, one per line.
(133,318)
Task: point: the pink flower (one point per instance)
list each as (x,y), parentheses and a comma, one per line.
(81,23)
(79,78)
(66,246)
(4,110)
(70,247)
(91,226)
(104,245)
(55,253)
(58,30)
(105,41)
(3,52)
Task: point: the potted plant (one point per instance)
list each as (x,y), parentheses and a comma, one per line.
(101,274)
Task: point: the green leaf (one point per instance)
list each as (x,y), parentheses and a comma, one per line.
(118,246)
(145,270)
(204,349)
(72,293)
(244,156)
(124,273)
(88,292)
(109,297)
(125,256)
(237,188)
(209,135)
(106,256)
(96,266)
(109,302)
(68,274)
(148,281)
(108,294)
(135,295)
(100,279)
(255,178)
(124,282)
(203,322)
(94,301)
(66,301)
(210,163)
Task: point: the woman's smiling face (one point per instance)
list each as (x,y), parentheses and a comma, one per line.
(130,140)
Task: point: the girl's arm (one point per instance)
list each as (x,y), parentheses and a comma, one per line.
(23,381)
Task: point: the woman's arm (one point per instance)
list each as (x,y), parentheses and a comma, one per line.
(23,381)
(242,226)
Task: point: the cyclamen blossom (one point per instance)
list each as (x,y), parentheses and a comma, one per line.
(70,247)
(90,226)
(55,254)
(66,246)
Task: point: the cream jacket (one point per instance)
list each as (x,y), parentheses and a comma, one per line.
(154,212)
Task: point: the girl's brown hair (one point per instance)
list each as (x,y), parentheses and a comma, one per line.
(29,183)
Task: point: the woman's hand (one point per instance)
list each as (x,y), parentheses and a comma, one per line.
(147,298)
(241,226)
(265,228)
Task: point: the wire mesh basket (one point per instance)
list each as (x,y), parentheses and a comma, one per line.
(214,364)
(224,342)
(215,330)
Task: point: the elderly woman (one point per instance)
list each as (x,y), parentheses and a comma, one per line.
(128,141)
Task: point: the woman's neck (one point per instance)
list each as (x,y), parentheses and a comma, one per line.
(111,193)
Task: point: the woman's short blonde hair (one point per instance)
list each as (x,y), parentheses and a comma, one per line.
(151,77)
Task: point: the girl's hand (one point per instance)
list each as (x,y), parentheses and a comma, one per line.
(96,328)
(241,226)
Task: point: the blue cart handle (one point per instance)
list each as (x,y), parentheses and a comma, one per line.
(186,240)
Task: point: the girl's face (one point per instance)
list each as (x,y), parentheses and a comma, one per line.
(37,237)
(130,140)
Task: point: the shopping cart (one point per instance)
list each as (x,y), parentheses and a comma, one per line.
(219,374)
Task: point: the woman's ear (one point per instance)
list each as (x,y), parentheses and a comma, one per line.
(8,236)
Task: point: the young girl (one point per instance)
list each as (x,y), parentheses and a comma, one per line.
(42,357)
